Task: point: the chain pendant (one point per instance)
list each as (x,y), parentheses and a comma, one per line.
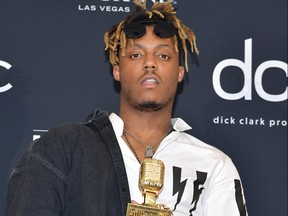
(149,152)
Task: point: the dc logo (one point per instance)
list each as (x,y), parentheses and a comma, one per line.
(246,68)
(8,86)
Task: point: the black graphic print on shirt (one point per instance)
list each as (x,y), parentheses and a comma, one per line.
(201,177)
(239,197)
(179,187)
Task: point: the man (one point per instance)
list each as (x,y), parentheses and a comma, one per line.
(92,168)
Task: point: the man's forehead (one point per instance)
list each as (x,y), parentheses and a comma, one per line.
(140,45)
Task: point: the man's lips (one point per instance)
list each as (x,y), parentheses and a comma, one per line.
(149,82)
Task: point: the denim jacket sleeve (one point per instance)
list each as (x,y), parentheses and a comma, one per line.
(36,185)
(72,170)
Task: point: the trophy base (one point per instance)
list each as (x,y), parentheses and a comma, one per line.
(142,210)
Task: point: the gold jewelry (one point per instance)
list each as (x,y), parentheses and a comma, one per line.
(131,147)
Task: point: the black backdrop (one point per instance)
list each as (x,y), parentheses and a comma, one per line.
(53,71)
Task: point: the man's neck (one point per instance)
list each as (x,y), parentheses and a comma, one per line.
(146,121)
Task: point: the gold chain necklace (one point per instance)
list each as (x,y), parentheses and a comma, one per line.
(131,147)
(149,149)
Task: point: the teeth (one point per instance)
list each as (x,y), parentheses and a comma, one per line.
(150,81)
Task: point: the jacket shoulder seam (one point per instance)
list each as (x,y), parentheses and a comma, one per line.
(49,166)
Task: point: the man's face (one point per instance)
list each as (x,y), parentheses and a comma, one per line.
(149,72)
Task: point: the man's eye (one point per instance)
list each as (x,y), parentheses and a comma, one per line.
(164,56)
(135,55)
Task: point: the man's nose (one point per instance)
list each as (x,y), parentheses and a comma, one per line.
(149,64)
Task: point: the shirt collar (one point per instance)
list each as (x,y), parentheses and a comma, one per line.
(180,125)
(118,124)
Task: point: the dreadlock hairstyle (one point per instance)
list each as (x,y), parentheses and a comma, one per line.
(184,38)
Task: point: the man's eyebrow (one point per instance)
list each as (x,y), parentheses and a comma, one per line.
(165,46)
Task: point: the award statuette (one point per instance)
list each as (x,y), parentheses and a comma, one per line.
(151,181)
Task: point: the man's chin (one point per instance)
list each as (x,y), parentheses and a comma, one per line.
(149,106)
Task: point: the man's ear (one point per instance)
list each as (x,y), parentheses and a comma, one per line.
(181,73)
(116,73)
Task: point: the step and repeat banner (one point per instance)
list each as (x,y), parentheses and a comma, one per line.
(53,71)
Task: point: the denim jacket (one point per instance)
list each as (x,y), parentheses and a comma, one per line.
(73,170)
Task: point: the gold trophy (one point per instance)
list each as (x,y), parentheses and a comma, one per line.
(151,179)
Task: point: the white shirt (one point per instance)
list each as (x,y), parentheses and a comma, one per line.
(199,179)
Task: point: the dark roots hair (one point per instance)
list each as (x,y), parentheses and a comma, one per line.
(184,39)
